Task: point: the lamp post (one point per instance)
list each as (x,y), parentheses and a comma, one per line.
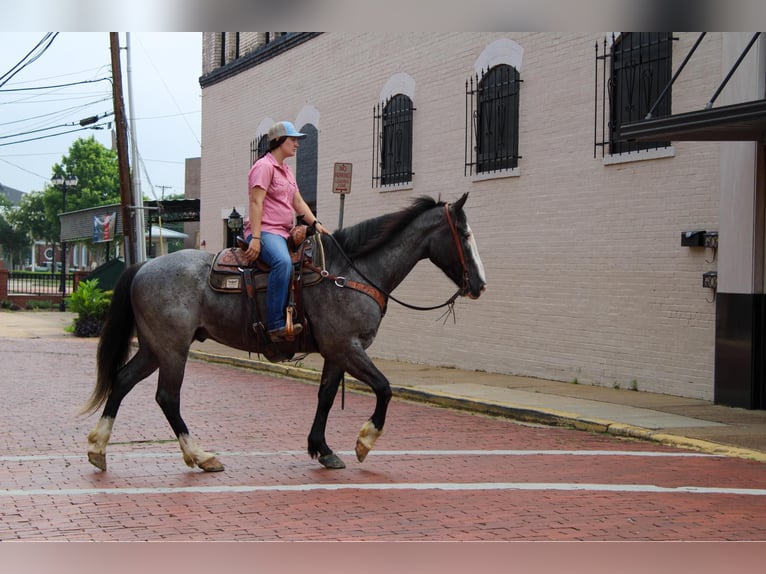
(234,224)
(63,182)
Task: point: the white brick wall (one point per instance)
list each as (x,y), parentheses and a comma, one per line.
(587,276)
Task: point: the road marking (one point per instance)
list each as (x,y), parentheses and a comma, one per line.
(470,486)
(113,455)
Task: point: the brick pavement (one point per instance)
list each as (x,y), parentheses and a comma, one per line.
(259,425)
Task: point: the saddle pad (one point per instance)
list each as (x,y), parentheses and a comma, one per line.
(225,275)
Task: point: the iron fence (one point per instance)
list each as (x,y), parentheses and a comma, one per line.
(32,283)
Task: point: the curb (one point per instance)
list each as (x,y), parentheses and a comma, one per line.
(516,412)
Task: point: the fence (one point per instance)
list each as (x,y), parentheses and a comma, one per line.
(23,287)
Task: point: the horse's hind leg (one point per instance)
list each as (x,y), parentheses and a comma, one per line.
(169,398)
(138,368)
(328,388)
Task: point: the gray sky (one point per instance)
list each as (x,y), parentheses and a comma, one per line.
(165,67)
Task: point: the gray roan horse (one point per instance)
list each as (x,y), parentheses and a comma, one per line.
(168,302)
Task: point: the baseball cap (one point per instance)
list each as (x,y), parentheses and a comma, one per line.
(280,129)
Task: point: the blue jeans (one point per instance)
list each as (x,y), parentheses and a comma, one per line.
(274,253)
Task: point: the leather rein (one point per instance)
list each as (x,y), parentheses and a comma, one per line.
(380,295)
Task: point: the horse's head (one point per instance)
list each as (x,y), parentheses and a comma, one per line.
(456,252)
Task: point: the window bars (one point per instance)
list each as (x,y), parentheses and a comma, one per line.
(492,120)
(258,147)
(640,69)
(392,141)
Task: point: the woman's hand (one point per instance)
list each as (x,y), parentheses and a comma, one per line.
(320,228)
(253,249)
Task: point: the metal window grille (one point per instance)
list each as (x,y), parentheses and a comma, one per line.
(492,120)
(392,141)
(640,67)
(258,147)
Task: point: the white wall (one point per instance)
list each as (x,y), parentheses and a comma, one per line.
(587,276)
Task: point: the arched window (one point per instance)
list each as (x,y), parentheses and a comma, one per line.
(306,166)
(493,103)
(393,141)
(640,70)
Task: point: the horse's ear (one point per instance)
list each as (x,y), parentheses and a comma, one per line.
(458,205)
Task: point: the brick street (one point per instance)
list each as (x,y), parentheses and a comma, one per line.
(436,474)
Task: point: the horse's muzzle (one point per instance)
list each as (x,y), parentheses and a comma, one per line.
(474,292)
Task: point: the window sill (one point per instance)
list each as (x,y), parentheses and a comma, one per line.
(500,174)
(642,155)
(395,187)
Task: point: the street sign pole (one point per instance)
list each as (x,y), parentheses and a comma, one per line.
(341,184)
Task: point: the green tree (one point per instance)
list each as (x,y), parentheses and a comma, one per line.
(98,183)
(30,217)
(13,243)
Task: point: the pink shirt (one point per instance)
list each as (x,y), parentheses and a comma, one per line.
(280,185)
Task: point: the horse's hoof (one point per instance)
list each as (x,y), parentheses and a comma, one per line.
(211,465)
(331,460)
(97,459)
(361,450)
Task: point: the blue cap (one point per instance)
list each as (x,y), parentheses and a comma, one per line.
(281,129)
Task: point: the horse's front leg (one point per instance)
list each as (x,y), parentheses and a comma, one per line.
(362,368)
(328,389)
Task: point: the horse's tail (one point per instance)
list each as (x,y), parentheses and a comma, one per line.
(114,344)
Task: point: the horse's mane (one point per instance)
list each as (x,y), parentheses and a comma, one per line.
(367,236)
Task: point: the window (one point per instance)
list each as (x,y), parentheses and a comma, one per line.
(258,147)
(492,122)
(306,165)
(392,143)
(640,71)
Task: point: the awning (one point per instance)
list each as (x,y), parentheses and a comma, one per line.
(736,122)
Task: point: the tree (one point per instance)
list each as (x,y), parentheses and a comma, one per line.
(98,179)
(13,243)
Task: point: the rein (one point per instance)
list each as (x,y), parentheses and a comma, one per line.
(342,282)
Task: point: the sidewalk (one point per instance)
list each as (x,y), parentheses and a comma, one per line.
(677,421)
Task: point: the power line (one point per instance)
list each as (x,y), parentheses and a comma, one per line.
(84,122)
(56,85)
(94,127)
(26,60)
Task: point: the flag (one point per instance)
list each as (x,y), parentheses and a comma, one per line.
(103,227)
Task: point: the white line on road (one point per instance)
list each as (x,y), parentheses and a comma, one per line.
(470,486)
(649,454)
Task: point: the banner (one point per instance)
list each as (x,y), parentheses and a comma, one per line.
(103,227)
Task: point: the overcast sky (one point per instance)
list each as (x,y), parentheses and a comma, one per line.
(165,71)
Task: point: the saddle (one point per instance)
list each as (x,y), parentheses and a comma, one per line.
(232,273)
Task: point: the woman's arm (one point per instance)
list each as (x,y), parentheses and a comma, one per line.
(256,195)
(302,208)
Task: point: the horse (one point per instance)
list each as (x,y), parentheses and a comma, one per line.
(168,303)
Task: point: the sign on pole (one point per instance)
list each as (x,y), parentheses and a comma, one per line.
(341,178)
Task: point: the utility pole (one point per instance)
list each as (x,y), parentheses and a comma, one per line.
(122,149)
(138,198)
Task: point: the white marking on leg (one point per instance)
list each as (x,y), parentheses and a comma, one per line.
(98,438)
(366,440)
(193,454)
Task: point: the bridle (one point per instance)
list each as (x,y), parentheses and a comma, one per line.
(341,281)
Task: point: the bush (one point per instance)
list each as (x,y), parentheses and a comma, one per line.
(91,304)
(43,305)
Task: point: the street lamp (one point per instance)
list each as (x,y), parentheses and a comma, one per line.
(63,182)
(235,225)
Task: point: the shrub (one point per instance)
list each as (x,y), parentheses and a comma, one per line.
(91,304)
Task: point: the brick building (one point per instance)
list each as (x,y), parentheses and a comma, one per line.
(581,235)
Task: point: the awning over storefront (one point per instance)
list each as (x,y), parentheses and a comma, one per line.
(737,122)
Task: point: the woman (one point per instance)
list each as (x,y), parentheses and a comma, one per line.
(274,198)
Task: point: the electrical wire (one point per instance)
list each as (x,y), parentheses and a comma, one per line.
(27,60)
(94,127)
(32,88)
